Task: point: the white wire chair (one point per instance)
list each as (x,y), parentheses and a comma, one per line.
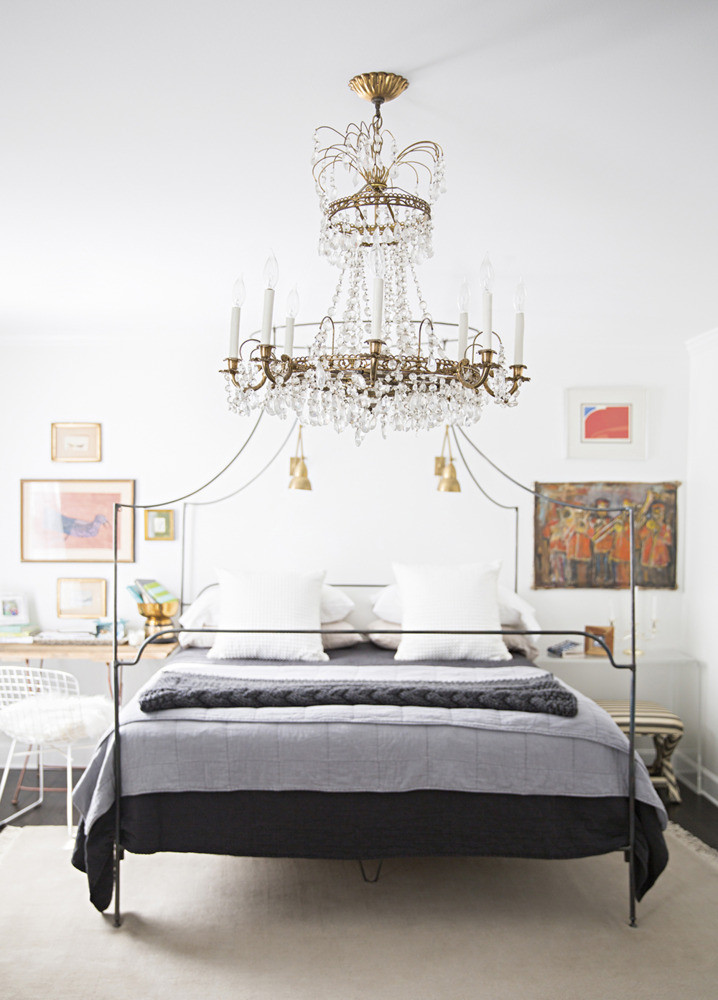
(43,709)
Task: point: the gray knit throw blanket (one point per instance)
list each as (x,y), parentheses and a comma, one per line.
(177,689)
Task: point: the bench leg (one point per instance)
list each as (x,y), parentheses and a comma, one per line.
(662,766)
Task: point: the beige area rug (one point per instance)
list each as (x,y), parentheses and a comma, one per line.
(259,929)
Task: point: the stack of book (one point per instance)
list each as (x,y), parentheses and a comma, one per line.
(566,648)
(150,592)
(17,633)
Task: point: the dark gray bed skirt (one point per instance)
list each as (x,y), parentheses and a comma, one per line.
(369,825)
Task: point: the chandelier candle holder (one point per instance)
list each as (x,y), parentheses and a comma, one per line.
(374,361)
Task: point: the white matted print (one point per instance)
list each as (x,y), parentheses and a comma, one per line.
(606,422)
(81,598)
(76,442)
(14,609)
(70,520)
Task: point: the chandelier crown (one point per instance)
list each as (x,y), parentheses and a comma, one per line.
(370,192)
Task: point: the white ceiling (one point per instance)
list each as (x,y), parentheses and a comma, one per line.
(153,149)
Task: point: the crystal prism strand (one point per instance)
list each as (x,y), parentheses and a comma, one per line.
(499,382)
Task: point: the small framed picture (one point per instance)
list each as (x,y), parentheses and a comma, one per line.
(76,442)
(14,609)
(606,422)
(70,520)
(160,525)
(593,648)
(81,598)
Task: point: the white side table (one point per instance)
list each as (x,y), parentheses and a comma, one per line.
(667,676)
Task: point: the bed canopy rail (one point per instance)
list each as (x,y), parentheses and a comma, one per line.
(629,849)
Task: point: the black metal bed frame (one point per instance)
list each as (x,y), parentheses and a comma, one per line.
(629,850)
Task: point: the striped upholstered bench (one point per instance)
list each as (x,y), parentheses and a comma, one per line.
(666,729)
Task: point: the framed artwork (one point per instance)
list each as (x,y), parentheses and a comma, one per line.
(606,423)
(582,549)
(76,442)
(14,609)
(81,598)
(160,525)
(593,648)
(70,520)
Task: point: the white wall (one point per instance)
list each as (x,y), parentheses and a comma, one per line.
(165,425)
(702,539)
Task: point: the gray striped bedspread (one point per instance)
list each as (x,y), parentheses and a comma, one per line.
(373,748)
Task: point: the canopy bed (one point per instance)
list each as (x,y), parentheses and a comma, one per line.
(201,761)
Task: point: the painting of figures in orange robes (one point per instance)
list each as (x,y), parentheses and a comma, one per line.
(579,548)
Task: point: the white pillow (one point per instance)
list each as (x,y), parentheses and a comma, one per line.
(203,612)
(336,605)
(446,597)
(514,611)
(389,638)
(272,601)
(330,641)
(381,638)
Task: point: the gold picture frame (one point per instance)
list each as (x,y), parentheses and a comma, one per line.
(592,648)
(70,520)
(159,525)
(76,442)
(81,597)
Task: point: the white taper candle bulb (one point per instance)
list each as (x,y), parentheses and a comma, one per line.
(519,302)
(463,302)
(267,315)
(463,335)
(271,275)
(519,339)
(487,323)
(292,310)
(234,332)
(238,300)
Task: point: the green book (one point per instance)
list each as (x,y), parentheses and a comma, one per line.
(156,592)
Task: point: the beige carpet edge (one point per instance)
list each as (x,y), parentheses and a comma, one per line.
(9,835)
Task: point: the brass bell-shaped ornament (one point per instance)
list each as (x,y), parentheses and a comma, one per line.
(444,468)
(448,483)
(298,468)
(300,479)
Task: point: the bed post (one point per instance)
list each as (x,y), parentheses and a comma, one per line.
(632,729)
(117,853)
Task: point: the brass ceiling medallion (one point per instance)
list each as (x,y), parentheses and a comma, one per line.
(375,360)
(378,86)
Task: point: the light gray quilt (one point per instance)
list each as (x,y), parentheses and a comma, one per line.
(363,747)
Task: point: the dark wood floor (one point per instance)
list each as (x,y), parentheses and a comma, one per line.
(696,814)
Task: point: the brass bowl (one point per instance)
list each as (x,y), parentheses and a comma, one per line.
(158,617)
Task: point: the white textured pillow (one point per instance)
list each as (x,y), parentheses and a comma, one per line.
(272,601)
(446,597)
(514,611)
(203,612)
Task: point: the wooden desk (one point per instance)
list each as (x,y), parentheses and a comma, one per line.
(100,652)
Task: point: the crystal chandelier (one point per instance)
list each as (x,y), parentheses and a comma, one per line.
(374,361)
